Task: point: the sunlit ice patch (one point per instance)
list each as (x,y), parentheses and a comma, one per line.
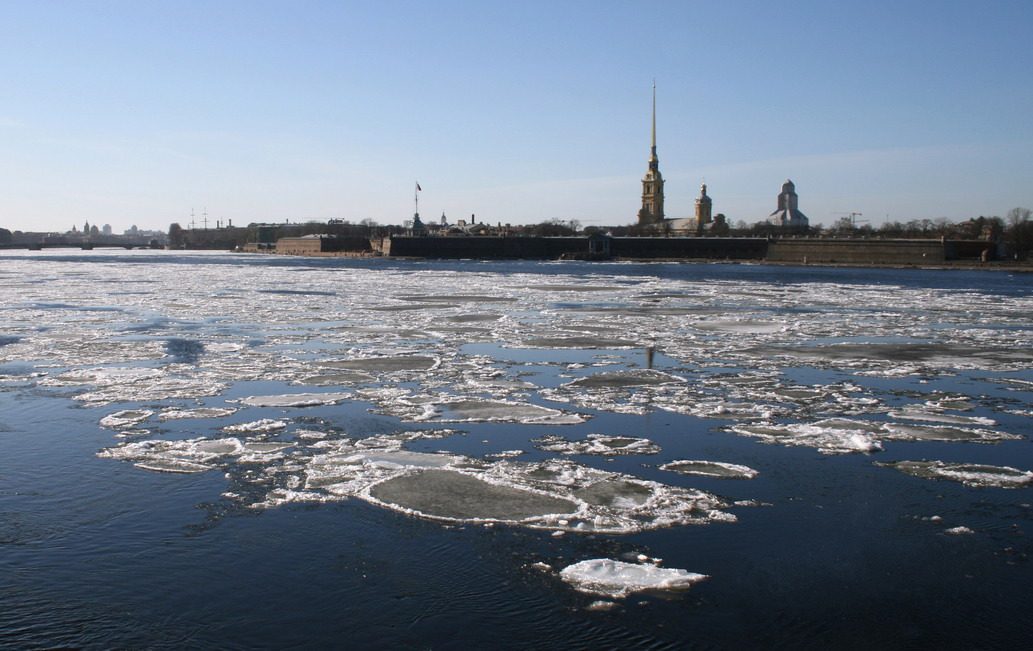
(844,435)
(295,400)
(934,415)
(833,436)
(176,413)
(970,474)
(598,444)
(715,469)
(937,354)
(457,409)
(557,494)
(741,327)
(382,364)
(160,389)
(618,579)
(126,418)
(102,376)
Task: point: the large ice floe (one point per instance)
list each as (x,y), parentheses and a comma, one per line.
(970,474)
(555,494)
(844,435)
(618,579)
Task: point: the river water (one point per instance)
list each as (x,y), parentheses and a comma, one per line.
(212,450)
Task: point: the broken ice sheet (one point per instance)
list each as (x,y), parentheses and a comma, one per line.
(125,418)
(632,378)
(376,365)
(260,426)
(940,355)
(716,469)
(471,410)
(833,436)
(162,388)
(970,474)
(295,400)
(102,377)
(844,435)
(199,412)
(627,391)
(618,579)
(600,444)
(553,495)
(742,327)
(933,415)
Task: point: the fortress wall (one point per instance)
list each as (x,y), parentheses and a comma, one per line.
(857,251)
(706,248)
(555,247)
(485,247)
(792,251)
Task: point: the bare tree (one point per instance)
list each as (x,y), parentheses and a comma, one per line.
(1019,232)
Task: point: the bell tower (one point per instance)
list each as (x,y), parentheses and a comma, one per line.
(703,208)
(653,183)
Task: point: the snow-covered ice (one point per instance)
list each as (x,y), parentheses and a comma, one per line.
(617,579)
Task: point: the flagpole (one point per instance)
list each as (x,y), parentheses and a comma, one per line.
(416,198)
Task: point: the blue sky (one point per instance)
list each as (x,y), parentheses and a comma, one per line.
(137,112)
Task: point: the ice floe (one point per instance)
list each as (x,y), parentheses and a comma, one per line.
(843,435)
(468,410)
(933,354)
(617,579)
(103,377)
(126,418)
(263,425)
(748,327)
(387,364)
(930,415)
(626,379)
(295,400)
(715,469)
(970,474)
(958,530)
(200,412)
(834,436)
(601,444)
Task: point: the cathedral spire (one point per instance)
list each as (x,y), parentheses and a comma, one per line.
(653,183)
(653,160)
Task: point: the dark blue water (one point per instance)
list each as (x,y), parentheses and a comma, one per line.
(98,553)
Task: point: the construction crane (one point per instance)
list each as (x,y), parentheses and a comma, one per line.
(853,218)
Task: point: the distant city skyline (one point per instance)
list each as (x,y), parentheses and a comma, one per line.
(127,113)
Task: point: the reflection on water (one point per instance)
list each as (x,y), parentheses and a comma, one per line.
(415,454)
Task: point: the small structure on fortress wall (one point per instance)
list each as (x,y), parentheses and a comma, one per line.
(788,213)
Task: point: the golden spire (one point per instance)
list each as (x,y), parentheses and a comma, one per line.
(652,148)
(654,117)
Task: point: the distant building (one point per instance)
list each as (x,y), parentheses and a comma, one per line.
(418,228)
(652,210)
(703,207)
(788,214)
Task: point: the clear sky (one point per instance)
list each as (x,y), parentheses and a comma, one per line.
(136,112)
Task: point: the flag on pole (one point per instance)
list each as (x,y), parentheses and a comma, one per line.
(418,188)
